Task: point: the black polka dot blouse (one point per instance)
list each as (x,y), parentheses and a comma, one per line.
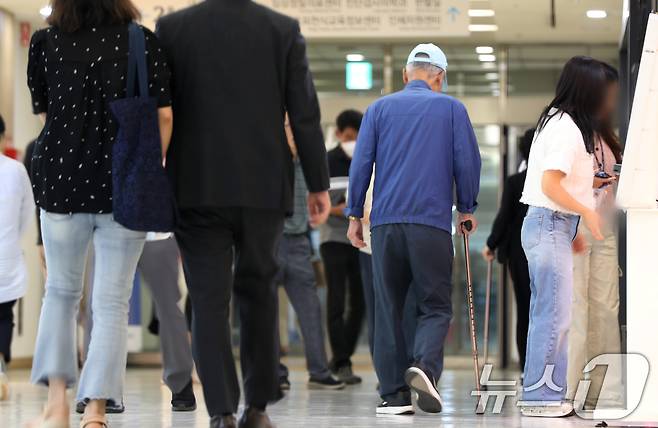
(72,78)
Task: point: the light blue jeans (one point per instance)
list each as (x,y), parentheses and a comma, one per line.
(546,237)
(66,239)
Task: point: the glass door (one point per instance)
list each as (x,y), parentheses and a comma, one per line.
(459,342)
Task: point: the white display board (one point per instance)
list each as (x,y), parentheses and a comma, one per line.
(152,10)
(363,19)
(330,19)
(638,184)
(641,314)
(637,192)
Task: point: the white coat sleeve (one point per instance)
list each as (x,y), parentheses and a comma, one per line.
(28,207)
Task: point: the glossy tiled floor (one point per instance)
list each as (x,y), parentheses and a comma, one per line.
(147,406)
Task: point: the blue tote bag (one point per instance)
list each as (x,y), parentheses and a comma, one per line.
(142,198)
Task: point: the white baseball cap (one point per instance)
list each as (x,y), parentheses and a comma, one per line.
(431,54)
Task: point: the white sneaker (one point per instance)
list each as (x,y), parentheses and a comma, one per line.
(4,382)
(546,409)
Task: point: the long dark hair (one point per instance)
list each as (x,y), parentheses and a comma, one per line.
(71,15)
(580,93)
(606,131)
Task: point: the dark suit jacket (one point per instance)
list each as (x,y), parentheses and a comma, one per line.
(236,68)
(505,237)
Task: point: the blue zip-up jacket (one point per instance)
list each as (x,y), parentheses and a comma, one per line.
(422,143)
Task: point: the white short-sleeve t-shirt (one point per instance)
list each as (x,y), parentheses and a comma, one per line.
(559,146)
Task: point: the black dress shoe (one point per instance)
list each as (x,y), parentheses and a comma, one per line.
(184,401)
(223,421)
(254,418)
(284,383)
(329,383)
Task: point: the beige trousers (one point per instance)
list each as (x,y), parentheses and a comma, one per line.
(595,327)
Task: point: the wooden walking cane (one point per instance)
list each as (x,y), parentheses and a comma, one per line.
(467,226)
(487,310)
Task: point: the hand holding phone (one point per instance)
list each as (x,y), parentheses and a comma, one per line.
(603,179)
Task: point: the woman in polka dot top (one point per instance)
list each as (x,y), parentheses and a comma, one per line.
(77,67)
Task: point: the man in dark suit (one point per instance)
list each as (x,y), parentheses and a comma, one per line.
(505,239)
(237,67)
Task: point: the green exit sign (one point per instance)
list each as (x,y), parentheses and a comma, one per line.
(358,76)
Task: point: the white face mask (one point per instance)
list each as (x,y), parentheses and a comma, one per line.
(348,148)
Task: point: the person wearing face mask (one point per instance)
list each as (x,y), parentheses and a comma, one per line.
(345,304)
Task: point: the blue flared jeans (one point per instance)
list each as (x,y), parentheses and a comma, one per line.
(66,238)
(546,237)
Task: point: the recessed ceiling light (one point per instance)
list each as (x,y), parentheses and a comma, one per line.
(489,65)
(484,50)
(479,28)
(481,13)
(46,11)
(355,57)
(487,58)
(491,76)
(597,14)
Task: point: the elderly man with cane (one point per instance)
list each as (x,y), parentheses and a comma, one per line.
(422,142)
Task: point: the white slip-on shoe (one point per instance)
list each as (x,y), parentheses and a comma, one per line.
(546,409)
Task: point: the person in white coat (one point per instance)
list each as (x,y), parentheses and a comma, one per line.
(594,326)
(16,212)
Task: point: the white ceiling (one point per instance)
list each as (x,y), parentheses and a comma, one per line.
(529,21)
(23,8)
(519,21)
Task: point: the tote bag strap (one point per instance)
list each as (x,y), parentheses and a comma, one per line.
(136,62)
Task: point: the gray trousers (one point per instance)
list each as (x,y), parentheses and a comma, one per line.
(158,266)
(298,279)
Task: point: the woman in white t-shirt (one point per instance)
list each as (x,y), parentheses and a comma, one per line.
(558,191)
(16,211)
